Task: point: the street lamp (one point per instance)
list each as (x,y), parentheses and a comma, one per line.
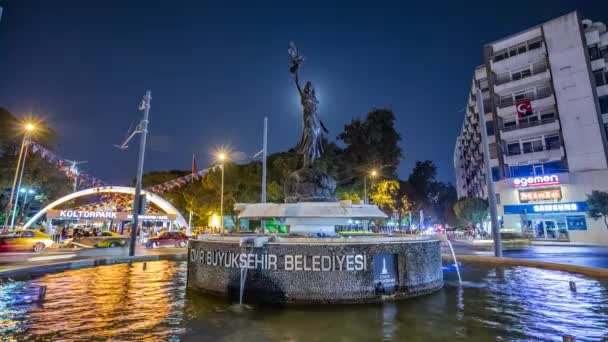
(373,174)
(28,128)
(221,157)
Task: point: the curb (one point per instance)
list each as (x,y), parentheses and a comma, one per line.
(585,270)
(36,270)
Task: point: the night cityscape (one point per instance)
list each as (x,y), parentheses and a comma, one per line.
(304,171)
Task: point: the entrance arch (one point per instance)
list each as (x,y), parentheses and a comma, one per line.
(151,197)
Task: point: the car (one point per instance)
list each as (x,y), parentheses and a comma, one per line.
(109,239)
(166,239)
(25,241)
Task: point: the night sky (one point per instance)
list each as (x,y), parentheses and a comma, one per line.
(215,72)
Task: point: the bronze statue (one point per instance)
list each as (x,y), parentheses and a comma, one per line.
(311,144)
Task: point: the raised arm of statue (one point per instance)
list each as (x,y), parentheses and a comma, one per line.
(295,61)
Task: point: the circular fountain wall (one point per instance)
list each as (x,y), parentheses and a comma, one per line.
(315,270)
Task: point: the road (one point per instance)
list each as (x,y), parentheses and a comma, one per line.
(52,255)
(591,256)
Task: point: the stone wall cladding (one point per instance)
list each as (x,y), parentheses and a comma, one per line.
(419,271)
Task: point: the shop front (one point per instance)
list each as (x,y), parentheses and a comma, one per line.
(552,207)
(549,221)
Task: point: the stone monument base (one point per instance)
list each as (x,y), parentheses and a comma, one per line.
(315,270)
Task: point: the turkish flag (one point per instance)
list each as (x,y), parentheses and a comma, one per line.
(524,108)
(194,168)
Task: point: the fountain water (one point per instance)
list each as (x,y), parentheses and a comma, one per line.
(242,289)
(455,261)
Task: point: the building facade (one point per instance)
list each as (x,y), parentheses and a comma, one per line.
(545,100)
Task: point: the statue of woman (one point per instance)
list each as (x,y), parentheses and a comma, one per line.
(311,145)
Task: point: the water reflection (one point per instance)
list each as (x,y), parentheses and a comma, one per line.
(126,302)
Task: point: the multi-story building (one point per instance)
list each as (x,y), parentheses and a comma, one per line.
(545,98)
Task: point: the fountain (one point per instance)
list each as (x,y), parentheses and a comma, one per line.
(455,261)
(312,264)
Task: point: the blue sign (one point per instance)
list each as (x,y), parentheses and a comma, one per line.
(547,208)
(576,222)
(385,273)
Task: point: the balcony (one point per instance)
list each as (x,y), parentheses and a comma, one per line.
(540,156)
(532,94)
(534,128)
(507,82)
(505,60)
(543,99)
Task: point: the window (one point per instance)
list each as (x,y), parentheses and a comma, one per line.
(27,234)
(495,173)
(532,146)
(552,141)
(518,75)
(517,49)
(490,128)
(604,52)
(535,45)
(604,104)
(521,171)
(520,96)
(547,116)
(513,149)
(493,151)
(555,167)
(509,123)
(483,84)
(594,52)
(599,78)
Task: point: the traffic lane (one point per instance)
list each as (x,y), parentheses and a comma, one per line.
(12,257)
(592,256)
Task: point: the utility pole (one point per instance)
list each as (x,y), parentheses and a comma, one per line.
(264,156)
(137,203)
(10,201)
(16,206)
(489,180)
(222,200)
(365,190)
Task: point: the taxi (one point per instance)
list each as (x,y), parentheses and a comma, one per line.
(25,241)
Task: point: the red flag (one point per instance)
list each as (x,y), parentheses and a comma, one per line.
(524,108)
(193,164)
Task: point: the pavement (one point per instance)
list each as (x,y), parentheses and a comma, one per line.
(569,254)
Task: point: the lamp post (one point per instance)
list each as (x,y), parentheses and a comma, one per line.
(28,129)
(222,157)
(372,173)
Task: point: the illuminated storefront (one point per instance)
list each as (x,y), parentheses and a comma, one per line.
(552,207)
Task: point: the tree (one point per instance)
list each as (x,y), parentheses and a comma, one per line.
(422,181)
(472,210)
(384,194)
(443,200)
(43,176)
(370,144)
(597,205)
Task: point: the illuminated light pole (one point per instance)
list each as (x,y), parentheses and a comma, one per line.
(222,157)
(28,128)
(372,173)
